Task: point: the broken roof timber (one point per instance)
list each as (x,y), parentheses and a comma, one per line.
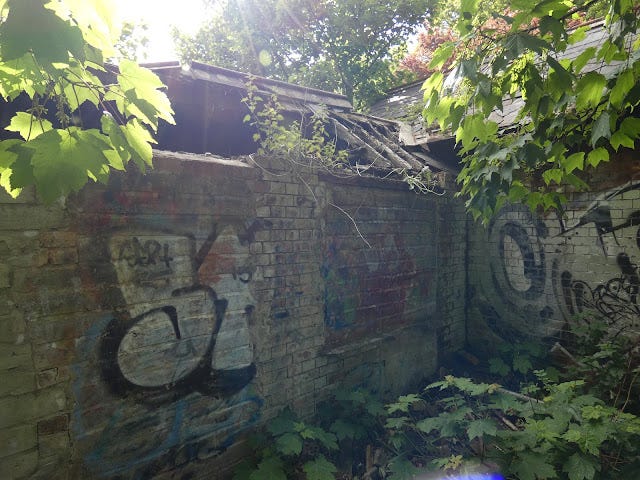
(209,102)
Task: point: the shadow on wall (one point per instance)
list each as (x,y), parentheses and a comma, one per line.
(166,380)
(538,274)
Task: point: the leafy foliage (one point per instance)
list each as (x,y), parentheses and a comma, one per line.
(570,116)
(53,59)
(288,448)
(297,141)
(573,429)
(351,47)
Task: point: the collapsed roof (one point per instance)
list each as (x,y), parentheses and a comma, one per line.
(210,112)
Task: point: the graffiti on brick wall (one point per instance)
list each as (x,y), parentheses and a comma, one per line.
(519,273)
(367,290)
(615,297)
(186,330)
(175,362)
(544,273)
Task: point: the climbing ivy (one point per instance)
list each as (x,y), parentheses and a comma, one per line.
(571,114)
(53,61)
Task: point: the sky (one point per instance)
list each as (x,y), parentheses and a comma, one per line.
(160,16)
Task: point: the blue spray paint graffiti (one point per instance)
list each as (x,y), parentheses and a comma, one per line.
(166,379)
(170,434)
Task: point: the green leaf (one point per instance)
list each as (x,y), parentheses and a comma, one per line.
(479,428)
(82,86)
(582,59)
(619,139)
(403,403)
(573,161)
(396,422)
(549,24)
(580,34)
(327,439)
(32,29)
(630,126)
(402,469)
(271,468)
(522,364)
(598,155)
(427,425)
(244,469)
(553,175)
(281,424)
(496,364)
(7,159)
(601,128)
(533,466)
(60,163)
(521,42)
(580,467)
(289,444)
(343,429)
(95,19)
(28,126)
(139,141)
(590,87)
(441,55)
(319,469)
(624,83)
(141,87)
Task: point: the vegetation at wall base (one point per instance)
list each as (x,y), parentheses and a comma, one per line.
(573,422)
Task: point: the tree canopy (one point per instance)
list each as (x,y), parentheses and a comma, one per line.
(572,113)
(350,46)
(81,116)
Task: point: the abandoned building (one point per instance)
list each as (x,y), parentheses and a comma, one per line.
(152,323)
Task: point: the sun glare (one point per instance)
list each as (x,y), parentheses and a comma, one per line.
(160,16)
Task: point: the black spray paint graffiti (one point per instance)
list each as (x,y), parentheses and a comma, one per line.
(519,274)
(617,298)
(544,274)
(178,335)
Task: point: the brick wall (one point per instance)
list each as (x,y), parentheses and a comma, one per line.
(149,324)
(534,274)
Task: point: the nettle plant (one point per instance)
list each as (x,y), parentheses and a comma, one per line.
(575,423)
(290,448)
(561,432)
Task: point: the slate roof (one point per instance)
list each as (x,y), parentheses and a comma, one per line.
(403,102)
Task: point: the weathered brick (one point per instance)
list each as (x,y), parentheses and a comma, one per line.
(30,217)
(57,424)
(23,408)
(17,439)
(5,276)
(19,466)
(14,356)
(17,381)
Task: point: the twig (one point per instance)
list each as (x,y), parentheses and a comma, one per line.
(506,421)
(559,349)
(517,395)
(354,224)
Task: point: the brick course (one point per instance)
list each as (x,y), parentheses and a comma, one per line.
(98,382)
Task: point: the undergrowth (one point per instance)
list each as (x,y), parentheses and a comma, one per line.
(528,419)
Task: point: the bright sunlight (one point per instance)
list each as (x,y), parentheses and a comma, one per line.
(160,16)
